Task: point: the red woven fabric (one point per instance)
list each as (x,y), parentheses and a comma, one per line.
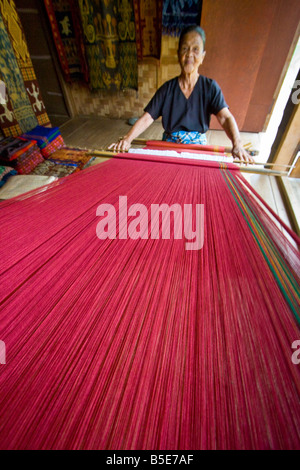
(140,344)
(177,160)
(160,144)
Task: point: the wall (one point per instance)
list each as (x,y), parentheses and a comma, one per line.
(248,43)
(128,103)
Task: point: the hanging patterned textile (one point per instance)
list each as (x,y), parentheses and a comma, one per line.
(18,114)
(24,108)
(8,121)
(148,27)
(135,342)
(109,31)
(64,18)
(177,14)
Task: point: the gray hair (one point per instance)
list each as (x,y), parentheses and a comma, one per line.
(189,29)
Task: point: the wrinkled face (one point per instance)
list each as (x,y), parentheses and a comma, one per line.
(190,53)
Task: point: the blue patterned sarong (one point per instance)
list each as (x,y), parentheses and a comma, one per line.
(184,137)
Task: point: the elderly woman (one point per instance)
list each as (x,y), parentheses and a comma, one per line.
(187,102)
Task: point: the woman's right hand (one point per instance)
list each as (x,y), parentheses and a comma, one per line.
(123,145)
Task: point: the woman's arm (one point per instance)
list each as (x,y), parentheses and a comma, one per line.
(140,126)
(229,125)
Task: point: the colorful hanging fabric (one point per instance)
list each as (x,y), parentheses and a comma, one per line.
(68,38)
(109,31)
(177,14)
(148,27)
(23,113)
(8,122)
(18,74)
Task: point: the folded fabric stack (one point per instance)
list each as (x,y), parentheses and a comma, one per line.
(64,162)
(21,154)
(69,155)
(48,139)
(5,173)
(49,168)
(10,146)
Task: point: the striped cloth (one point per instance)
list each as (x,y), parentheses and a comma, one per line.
(12,148)
(49,139)
(54,145)
(184,137)
(22,155)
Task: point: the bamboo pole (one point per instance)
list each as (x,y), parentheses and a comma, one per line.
(245,167)
(111,153)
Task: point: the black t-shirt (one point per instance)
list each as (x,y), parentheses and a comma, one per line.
(192,114)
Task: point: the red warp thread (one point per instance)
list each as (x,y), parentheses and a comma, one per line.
(140,344)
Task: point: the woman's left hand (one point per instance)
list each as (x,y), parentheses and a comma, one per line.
(240,153)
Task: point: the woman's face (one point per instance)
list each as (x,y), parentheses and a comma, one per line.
(190,53)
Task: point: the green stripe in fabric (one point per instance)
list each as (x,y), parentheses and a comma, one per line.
(282,288)
(290,283)
(266,237)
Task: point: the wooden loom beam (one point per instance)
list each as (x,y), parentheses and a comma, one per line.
(251,168)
